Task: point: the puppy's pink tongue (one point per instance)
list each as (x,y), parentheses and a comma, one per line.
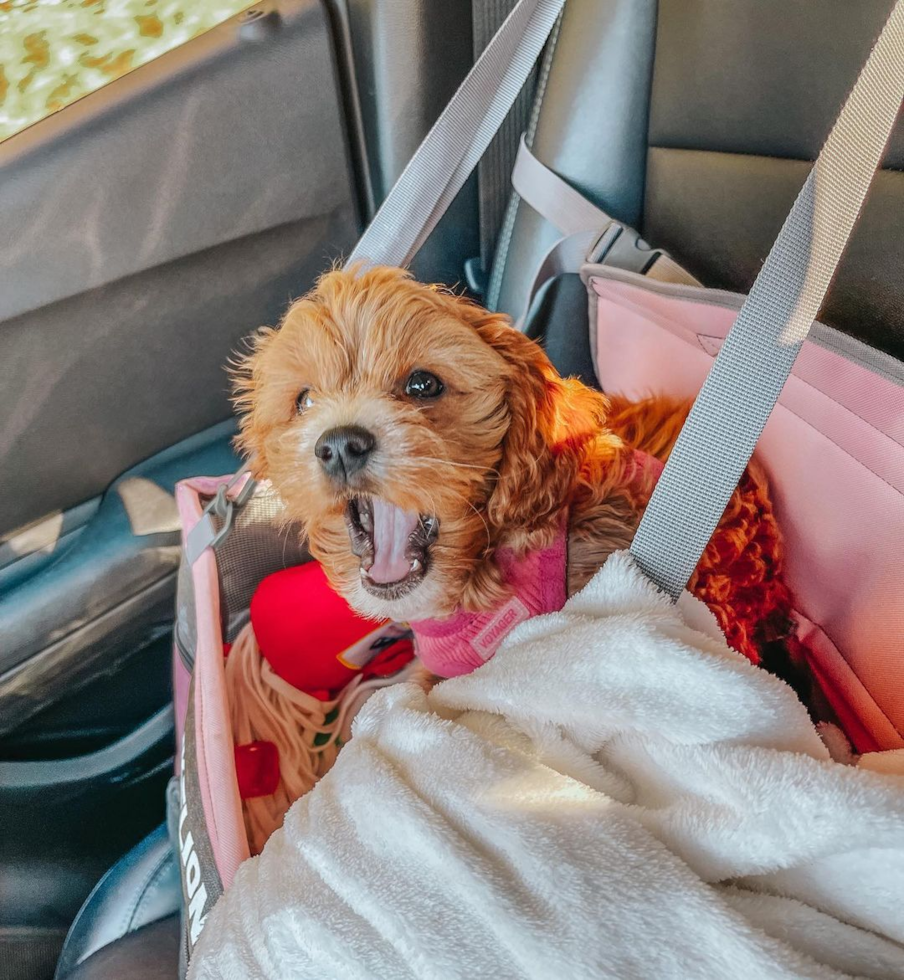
(392,529)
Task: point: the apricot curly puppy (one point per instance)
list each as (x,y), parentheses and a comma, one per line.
(427,448)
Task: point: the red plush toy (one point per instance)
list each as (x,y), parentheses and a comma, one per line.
(312,638)
(295,676)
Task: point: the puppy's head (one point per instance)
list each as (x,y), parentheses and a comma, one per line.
(412,433)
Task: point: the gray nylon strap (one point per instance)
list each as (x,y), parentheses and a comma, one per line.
(494,170)
(568,211)
(554,198)
(747,377)
(566,254)
(452,148)
(580,221)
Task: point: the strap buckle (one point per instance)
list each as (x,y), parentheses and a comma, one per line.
(623,248)
(225,508)
(204,534)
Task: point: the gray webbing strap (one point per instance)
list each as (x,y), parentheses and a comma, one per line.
(747,377)
(566,254)
(452,148)
(494,170)
(580,221)
(554,198)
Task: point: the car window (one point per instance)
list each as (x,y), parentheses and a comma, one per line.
(52,53)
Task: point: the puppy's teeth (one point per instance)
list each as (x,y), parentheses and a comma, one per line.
(416,565)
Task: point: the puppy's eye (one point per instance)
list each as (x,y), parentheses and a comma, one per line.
(423,384)
(304,400)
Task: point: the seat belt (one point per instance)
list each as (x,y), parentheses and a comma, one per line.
(750,371)
(589,234)
(494,170)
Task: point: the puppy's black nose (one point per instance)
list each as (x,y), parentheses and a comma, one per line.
(344,450)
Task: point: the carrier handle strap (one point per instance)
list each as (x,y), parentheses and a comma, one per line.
(458,139)
(750,371)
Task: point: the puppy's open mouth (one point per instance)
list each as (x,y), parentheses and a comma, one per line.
(393,545)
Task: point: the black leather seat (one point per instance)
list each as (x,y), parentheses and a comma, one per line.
(140,889)
(149,953)
(693,122)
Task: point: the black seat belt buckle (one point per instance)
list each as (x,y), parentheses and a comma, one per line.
(623,248)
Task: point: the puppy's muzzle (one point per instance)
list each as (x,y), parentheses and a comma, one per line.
(344,451)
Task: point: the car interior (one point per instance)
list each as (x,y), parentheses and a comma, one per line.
(154,223)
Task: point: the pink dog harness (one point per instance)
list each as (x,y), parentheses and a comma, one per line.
(464,641)
(459,644)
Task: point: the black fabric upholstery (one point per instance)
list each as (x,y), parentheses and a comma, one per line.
(142,888)
(695,121)
(27,952)
(150,953)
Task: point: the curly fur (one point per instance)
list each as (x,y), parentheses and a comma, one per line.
(498,457)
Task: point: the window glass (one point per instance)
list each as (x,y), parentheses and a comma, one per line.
(52,52)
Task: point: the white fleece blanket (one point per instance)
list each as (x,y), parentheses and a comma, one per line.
(615,794)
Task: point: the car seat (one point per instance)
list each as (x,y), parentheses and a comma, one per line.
(694,122)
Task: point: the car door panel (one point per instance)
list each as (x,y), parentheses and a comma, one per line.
(108,587)
(155,223)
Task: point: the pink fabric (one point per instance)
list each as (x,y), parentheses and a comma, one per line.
(213,731)
(464,641)
(834,449)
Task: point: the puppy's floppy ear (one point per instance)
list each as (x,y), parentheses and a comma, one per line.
(246,373)
(551,420)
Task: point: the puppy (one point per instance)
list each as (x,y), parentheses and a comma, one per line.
(425,445)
